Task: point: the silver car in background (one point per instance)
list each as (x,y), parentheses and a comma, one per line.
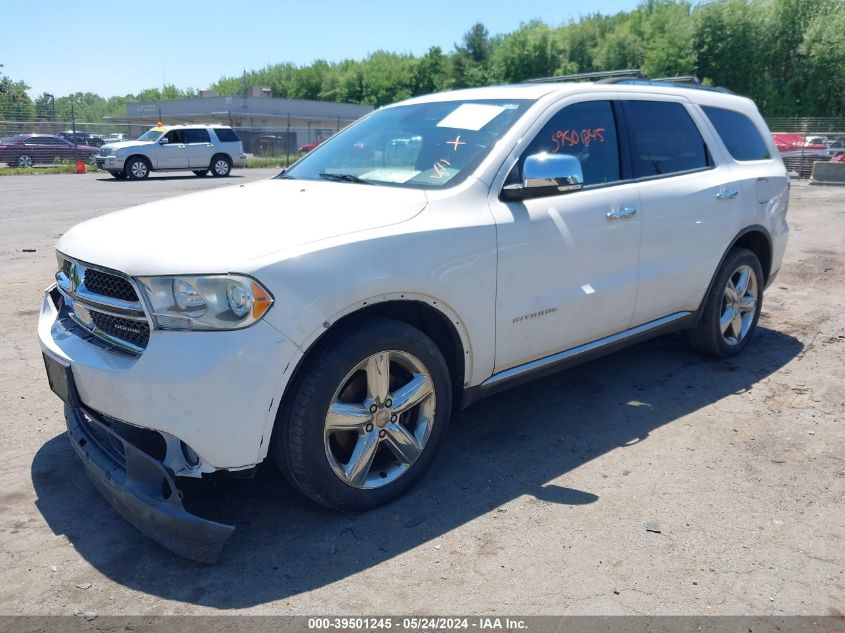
(197,148)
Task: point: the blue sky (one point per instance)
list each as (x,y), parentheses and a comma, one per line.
(117,48)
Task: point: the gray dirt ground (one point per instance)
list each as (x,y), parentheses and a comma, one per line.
(538,503)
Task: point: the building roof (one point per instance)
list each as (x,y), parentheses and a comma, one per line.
(232,106)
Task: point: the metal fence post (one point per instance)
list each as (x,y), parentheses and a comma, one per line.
(73,128)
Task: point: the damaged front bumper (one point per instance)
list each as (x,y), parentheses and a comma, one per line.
(142,490)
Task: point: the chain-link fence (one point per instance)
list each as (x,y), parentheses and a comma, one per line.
(51,139)
(41,143)
(803,141)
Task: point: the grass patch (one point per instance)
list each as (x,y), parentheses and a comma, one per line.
(254,162)
(59,168)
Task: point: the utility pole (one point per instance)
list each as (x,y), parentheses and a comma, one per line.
(287,144)
(52,109)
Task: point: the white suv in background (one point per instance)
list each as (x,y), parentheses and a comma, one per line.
(351,304)
(196,148)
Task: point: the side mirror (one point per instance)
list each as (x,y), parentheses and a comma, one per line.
(163,141)
(547,174)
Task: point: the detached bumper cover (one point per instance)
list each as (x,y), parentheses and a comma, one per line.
(142,491)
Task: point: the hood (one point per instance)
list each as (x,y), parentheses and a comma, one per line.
(223,230)
(122,144)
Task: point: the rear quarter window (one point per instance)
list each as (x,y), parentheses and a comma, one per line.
(226,135)
(664,139)
(738,133)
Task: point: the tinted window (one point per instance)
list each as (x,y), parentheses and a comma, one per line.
(588,132)
(226,135)
(196,136)
(738,133)
(175,136)
(664,139)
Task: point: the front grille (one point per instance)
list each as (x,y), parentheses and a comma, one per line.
(108,285)
(102,304)
(135,332)
(104,151)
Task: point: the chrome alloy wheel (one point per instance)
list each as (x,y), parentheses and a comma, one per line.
(24,161)
(379,419)
(139,169)
(739,305)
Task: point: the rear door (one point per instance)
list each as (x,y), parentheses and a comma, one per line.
(689,204)
(200,148)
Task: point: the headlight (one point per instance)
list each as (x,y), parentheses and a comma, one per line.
(206,302)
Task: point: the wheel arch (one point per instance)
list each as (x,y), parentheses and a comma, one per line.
(755,238)
(144,158)
(429,315)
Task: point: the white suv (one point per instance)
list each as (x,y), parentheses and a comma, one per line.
(196,148)
(359,298)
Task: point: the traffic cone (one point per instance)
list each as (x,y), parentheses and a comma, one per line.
(80,167)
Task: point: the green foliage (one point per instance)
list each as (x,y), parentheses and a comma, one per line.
(787,55)
(15,104)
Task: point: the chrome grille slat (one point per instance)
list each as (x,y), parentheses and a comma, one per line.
(109,308)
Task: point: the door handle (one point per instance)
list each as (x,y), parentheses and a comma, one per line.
(727,194)
(619,214)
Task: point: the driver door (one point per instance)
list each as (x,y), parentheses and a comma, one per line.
(567,262)
(174,153)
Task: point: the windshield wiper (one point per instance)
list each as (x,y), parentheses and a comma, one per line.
(345,178)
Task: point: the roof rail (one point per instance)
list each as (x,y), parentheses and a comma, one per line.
(680,79)
(630,72)
(632,76)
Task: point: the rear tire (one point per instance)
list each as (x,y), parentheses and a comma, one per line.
(137,169)
(365,415)
(221,166)
(732,309)
(25,161)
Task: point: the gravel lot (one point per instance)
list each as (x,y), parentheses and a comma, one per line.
(539,501)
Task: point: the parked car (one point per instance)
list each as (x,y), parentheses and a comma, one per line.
(26,150)
(839,158)
(82,138)
(333,318)
(196,148)
(308,147)
(115,137)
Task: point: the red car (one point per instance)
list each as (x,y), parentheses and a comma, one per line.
(839,158)
(310,146)
(26,150)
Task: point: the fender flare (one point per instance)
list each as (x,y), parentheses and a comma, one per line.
(307,345)
(751,228)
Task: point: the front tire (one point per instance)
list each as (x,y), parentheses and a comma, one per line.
(732,308)
(25,161)
(365,415)
(137,169)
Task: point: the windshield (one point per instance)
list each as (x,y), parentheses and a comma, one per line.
(13,139)
(424,145)
(152,134)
